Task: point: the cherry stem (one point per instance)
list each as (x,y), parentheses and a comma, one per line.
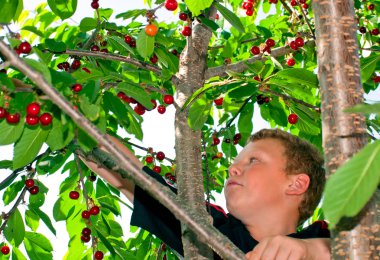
(369,49)
(306,20)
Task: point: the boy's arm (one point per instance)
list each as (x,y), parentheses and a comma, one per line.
(125,186)
(284,247)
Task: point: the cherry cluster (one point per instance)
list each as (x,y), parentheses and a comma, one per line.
(301,2)
(140,109)
(66,66)
(32,188)
(130,41)
(248,6)
(23,47)
(149,159)
(261,99)
(32,118)
(269,43)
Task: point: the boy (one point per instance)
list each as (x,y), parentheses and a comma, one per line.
(274,184)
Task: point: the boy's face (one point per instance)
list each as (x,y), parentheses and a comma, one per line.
(257,179)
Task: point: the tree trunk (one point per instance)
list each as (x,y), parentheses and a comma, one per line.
(344,134)
(193,63)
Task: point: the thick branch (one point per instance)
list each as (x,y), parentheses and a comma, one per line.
(241,66)
(207,233)
(116,57)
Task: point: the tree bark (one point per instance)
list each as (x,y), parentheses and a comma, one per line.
(344,134)
(191,75)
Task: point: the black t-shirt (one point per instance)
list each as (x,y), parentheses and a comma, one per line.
(150,215)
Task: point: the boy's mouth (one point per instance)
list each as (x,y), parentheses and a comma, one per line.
(233,183)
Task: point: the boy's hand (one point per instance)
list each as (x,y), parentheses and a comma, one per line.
(288,248)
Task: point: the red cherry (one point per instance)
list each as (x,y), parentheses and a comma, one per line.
(292,119)
(249,12)
(98,255)
(371,7)
(293,45)
(247,5)
(3,112)
(217,17)
(186,31)
(25,47)
(121,95)
(270,42)
(376,79)
(291,62)
(362,29)
(77,87)
(18,52)
(168,99)
(302,1)
(257,78)
(31,120)
(34,190)
(154,59)
(13,118)
(183,16)
(74,195)
(163,245)
(94,210)
(86,214)
(3,71)
(29,183)
(293,3)
(154,102)
(104,50)
(161,109)
(75,65)
(33,109)
(218,101)
(171,5)
(95,48)
(160,156)
(216,141)
(299,42)
(255,50)
(5,250)
(86,231)
(305,6)
(375,32)
(128,39)
(95,5)
(139,109)
(45,119)
(85,239)
(174,52)
(103,43)
(236,142)
(237,136)
(157,169)
(149,159)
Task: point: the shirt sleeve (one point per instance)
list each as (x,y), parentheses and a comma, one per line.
(152,216)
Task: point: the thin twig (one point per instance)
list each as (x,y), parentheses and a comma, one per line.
(242,42)
(4,65)
(111,56)
(146,149)
(287,7)
(238,112)
(306,20)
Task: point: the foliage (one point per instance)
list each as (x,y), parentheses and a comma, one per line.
(126,66)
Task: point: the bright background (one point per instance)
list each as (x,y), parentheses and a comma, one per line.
(158,131)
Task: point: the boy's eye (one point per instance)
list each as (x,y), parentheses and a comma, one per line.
(253,159)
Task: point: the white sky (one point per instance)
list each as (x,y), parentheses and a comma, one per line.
(158,131)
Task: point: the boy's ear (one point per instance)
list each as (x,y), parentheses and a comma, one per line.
(298,185)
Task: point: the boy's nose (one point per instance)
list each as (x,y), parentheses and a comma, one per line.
(233,170)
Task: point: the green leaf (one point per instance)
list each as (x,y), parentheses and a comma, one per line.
(118,44)
(7,82)
(145,44)
(134,126)
(34,30)
(37,246)
(28,146)
(209,23)
(245,119)
(44,217)
(63,8)
(132,14)
(40,67)
(10,133)
(196,6)
(12,191)
(368,66)
(88,24)
(60,135)
(232,18)
(199,113)
(353,184)
(105,13)
(105,242)
(32,220)
(136,92)
(297,76)
(8,10)
(17,254)
(91,111)
(15,229)
(6,164)
(168,60)
(365,108)
(113,104)
(55,46)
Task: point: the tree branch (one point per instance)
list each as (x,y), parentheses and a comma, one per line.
(204,231)
(111,56)
(306,20)
(241,66)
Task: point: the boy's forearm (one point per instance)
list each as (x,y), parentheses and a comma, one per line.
(318,248)
(125,186)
